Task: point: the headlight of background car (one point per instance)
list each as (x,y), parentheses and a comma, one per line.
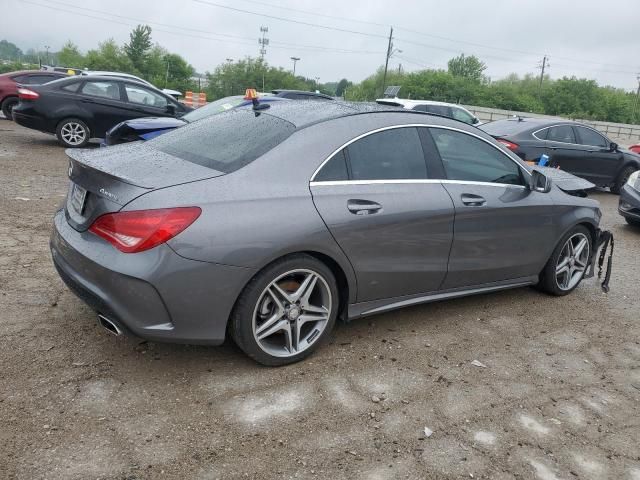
(634,180)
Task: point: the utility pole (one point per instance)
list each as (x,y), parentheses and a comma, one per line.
(399,68)
(317,82)
(263,42)
(386,62)
(47,47)
(635,105)
(295,60)
(166,77)
(544,66)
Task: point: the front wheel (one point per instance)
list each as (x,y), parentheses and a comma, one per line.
(622,179)
(568,263)
(73,133)
(286,310)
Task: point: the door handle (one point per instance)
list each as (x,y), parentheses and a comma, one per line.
(472,200)
(87,100)
(363,207)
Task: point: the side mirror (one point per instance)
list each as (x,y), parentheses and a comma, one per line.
(171,109)
(613,147)
(475,121)
(540,182)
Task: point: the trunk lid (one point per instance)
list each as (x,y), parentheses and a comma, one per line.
(104,180)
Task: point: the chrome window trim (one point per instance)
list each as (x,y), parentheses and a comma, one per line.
(335,183)
(568,143)
(415,125)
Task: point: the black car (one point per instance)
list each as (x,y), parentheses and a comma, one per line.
(629,205)
(300,95)
(80,108)
(571,146)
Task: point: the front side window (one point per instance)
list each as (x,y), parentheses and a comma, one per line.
(110,90)
(591,138)
(143,96)
(468,158)
(388,155)
(461,115)
(561,133)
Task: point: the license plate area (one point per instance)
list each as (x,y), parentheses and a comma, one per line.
(78,198)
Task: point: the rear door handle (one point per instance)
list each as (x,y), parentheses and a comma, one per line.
(472,200)
(87,100)
(363,207)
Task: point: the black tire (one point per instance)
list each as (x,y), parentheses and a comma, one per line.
(241,321)
(622,179)
(548,281)
(7,107)
(75,124)
(632,221)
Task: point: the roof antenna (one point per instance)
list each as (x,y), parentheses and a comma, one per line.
(252,94)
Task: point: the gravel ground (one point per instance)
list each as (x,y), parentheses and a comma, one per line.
(558,397)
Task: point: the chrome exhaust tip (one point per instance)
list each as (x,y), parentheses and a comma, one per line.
(109,326)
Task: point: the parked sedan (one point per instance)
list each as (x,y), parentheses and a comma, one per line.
(10,82)
(572,146)
(271,224)
(80,108)
(449,110)
(629,205)
(146,128)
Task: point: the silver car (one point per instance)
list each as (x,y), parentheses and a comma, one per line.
(269,224)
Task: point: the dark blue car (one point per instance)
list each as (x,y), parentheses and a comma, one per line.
(146,128)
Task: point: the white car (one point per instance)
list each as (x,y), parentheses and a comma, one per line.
(450,110)
(173,93)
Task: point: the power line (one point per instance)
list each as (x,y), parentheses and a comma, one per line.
(282,45)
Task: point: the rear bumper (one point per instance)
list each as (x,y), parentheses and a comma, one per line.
(156,294)
(30,121)
(629,203)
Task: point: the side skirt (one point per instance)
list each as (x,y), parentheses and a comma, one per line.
(372,307)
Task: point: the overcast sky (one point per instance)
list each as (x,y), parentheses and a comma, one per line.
(586,38)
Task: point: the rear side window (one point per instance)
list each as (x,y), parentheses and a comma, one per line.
(388,155)
(110,90)
(225,142)
(38,79)
(541,134)
(439,110)
(561,133)
(468,158)
(335,169)
(72,87)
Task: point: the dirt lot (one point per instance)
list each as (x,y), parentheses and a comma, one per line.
(558,399)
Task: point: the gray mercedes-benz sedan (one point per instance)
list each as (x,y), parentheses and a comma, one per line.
(269,224)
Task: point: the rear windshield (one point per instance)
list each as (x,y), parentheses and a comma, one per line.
(214,108)
(504,127)
(225,142)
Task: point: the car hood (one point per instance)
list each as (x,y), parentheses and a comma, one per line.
(154,123)
(566,181)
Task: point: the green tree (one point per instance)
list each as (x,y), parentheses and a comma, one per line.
(9,51)
(467,67)
(108,56)
(139,45)
(342,86)
(70,56)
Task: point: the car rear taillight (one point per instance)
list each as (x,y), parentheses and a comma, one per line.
(139,230)
(510,145)
(26,94)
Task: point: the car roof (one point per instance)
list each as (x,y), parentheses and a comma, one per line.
(23,72)
(304,113)
(303,92)
(412,102)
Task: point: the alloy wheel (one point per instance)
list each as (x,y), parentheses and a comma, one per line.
(572,261)
(292,312)
(73,133)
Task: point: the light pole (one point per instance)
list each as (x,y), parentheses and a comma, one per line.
(295,60)
(317,82)
(47,47)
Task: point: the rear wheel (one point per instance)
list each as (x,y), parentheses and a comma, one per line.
(568,263)
(72,133)
(622,179)
(7,107)
(286,310)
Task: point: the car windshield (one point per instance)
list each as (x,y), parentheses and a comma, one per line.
(504,127)
(214,108)
(225,142)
